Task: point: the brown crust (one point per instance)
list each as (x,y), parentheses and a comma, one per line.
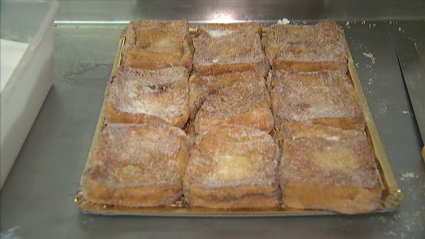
(259,118)
(335,170)
(135,57)
(136,95)
(299,66)
(310,98)
(146,196)
(347,200)
(114,116)
(130,167)
(260,67)
(257,200)
(307,48)
(158,44)
(244,102)
(233,166)
(224,48)
(346,123)
(200,87)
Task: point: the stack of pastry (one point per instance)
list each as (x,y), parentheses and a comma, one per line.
(140,157)
(143,158)
(327,160)
(233,162)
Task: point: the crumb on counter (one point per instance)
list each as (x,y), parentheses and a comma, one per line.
(284,21)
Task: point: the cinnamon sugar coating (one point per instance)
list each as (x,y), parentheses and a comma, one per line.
(233,166)
(224,48)
(307,48)
(158,44)
(136,95)
(137,165)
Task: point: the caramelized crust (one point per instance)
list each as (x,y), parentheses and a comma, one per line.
(136,95)
(245,102)
(233,166)
(224,48)
(158,44)
(330,169)
(302,48)
(200,87)
(325,98)
(137,166)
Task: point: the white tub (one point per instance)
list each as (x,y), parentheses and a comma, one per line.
(23,94)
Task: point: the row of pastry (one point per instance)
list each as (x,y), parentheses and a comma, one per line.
(293,136)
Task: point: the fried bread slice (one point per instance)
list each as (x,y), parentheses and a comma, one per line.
(200,87)
(233,166)
(158,44)
(301,48)
(325,97)
(244,102)
(224,48)
(136,95)
(329,169)
(137,165)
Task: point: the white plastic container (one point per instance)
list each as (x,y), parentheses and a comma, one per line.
(24,93)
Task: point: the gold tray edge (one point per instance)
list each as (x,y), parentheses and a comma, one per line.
(395,195)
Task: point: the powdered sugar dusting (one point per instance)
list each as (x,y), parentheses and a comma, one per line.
(130,155)
(347,162)
(247,96)
(299,43)
(313,95)
(157,36)
(333,138)
(163,93)
(224,44)
(219,33)
(200,87)
(250,148)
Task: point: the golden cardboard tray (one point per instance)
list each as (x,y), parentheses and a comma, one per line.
(391,195)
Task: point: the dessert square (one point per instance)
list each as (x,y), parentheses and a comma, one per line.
(136,95)
(137,166)
(301,48)
(158,44)
(233,166)
(224,48)
(244,102)
(326,168)
(325,97)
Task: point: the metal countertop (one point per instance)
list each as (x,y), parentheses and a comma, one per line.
(37,198)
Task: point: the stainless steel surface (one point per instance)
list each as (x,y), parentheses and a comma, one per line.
(414,78)
(119,11)
(37,198)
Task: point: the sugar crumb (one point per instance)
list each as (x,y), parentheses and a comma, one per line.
(284,21)
(370,56)
(408,175)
